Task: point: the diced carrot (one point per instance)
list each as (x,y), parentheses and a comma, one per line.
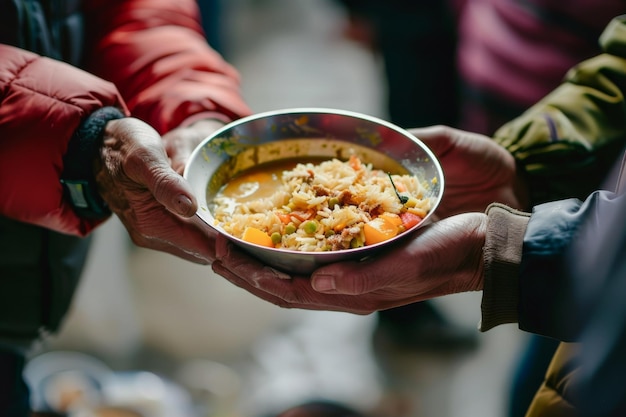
(400,186)
(392,217)
(284,217)
(410,219)
(378,230)
(354,162)
(257,236)
(302,215)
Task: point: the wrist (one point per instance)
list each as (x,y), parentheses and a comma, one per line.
(502,257)
(78,178)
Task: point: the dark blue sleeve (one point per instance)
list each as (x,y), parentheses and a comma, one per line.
(549,305)
(598,268)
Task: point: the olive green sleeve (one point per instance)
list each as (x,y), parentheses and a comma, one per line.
(566,143)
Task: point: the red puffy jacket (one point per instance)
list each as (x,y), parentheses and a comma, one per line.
(149,58)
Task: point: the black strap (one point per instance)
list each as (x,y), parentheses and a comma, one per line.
(78,177)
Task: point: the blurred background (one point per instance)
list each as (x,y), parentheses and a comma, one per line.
(173,339)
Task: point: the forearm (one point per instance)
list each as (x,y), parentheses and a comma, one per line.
(44,103)
(526,279)
(157,55)
(524,269)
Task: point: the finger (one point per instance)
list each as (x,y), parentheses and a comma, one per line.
(345,278)
(149,166)
(180,142)
(171,190)
(294,293)
(282,293)
(437,138)
(177,149)
(179,237)
(178,252)
(244,265)
(283,290)
(265,282)
(357,278)
(221,270)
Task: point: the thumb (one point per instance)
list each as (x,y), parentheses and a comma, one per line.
(349,278)
(168,187)
(146,163)
(173,192)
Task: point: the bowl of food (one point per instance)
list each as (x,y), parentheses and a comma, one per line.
(301,188)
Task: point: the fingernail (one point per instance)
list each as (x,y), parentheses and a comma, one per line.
(184,206)
(323,283)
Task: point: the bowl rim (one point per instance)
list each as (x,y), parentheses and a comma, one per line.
(320,110)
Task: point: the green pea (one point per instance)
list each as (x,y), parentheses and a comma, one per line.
(356,243)
(332,202)
(309,227)
(290,228)
(329,232)
(276,238)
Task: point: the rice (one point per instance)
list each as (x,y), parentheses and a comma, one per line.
(324,206)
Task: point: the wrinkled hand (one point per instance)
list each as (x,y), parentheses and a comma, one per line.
(442,258)
(477,171)
(180,142)
(439,259)
(155,204)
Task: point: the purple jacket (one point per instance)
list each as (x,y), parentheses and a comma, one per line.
(511,53)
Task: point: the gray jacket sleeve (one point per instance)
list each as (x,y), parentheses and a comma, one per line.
(528,276)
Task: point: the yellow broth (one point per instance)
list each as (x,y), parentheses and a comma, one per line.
(258,182)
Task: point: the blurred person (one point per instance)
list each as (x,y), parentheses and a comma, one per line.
(558,272)
(101,103)
(212,15)
(416,42)
(511,54)
(417,45)
(578,130)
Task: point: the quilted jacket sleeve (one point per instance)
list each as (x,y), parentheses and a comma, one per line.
(566,144)
(566,152)
(156,53)
(42,102)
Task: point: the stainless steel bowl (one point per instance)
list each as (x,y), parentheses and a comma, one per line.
(305,132)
